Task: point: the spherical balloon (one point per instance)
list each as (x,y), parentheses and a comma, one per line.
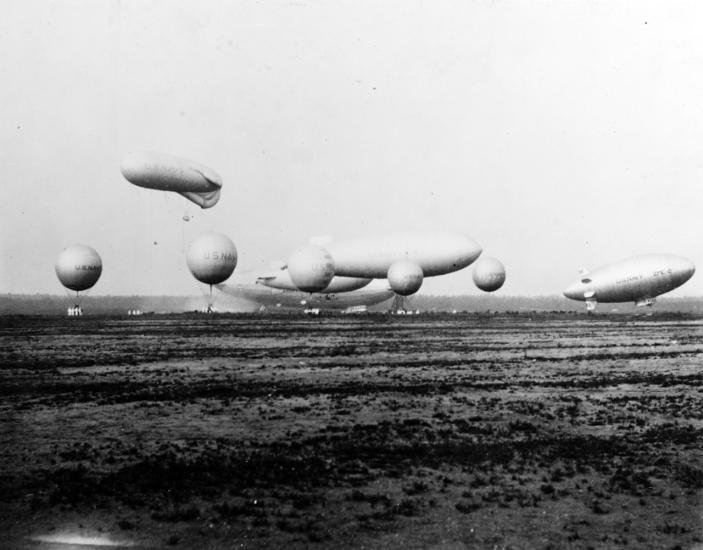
(489,274)
(311,268)
(78,267)
(405,277)
(211,257)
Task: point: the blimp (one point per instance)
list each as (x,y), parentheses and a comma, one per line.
(404,259)
(197,183)
(639,279)
(255,296)
(280,279)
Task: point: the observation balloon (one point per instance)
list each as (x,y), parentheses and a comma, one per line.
(211,257)
(489,274)
(78,267)
(311,268)
(405,277)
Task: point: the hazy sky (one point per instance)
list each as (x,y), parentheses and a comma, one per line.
(556,134)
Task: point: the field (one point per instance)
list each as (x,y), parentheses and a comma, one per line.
(250,431)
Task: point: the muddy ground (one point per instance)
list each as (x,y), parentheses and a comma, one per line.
(467,431)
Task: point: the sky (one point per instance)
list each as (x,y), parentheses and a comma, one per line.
(559,135)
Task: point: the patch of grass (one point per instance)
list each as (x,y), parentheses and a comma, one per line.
(174,514)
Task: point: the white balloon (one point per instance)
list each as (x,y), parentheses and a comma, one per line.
(311,268)
(78,267)
(211,257)
(405,277)
(489,274)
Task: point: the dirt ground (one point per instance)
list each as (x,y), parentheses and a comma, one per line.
(252,431)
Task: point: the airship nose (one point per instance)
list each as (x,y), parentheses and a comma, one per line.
(132,167)
(128,167)
(471,250)
(574,291)
(688,268)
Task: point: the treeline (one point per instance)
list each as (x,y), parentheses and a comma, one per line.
(555,303)
(46,304)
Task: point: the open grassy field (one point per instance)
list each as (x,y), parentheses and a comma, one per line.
(252,431)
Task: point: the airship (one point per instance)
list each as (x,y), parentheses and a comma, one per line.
(197,183)
(254,297)
(639,279)
(404,259)
(279,279)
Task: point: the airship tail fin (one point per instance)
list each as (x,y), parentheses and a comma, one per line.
(203,200)
(208,173)
(264,278)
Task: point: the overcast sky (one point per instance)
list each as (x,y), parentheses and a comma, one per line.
(556,134)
